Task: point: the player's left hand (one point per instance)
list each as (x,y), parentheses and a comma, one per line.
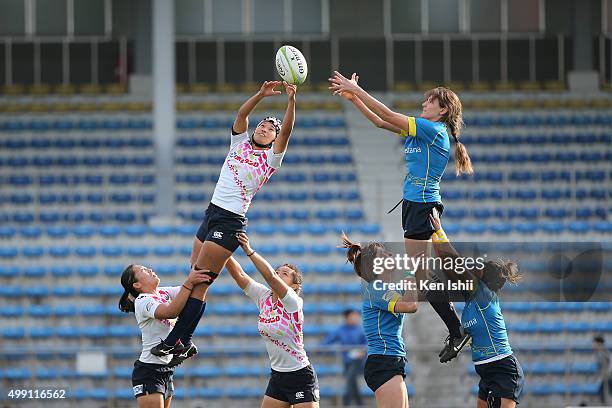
(243,239)
(339,83)
(290,89)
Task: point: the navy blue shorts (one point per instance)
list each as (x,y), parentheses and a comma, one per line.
(415,219)
(503,378)
(294,387)
(220,226)
(379,369)
(148,378)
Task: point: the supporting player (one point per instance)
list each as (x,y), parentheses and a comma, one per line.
(383,320)
(501,375)
(153,306)
(293,382)
(251,161)
(426,148)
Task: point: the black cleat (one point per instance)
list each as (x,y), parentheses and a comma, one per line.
(162,349)
(453,347)
(183,354)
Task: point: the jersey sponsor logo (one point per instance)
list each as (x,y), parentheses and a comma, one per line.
(246,161)
(409,150)
(217,235)
(299,395)
(470,323)
(138,389)
(269,320)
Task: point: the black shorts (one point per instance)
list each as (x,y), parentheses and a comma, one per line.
(148,378)
(503,378)
(220,226)
(379,369)
(294,387)
(415,219)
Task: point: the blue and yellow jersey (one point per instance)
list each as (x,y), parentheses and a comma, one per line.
(482,318)
(382,327)
(426,149)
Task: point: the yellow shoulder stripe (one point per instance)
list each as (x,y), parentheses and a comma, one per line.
(391,307)
(411,126)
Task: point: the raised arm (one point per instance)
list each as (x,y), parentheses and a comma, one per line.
(371,116)
(241,123)
(237,273)
(340,84)
(278,286)
(280,145)
(172,309)
(445,250)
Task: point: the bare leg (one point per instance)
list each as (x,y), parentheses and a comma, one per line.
(212,257)
(392,394)
(269,402)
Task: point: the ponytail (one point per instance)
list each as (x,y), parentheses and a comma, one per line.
(361,257)
(453,119)
(128,278)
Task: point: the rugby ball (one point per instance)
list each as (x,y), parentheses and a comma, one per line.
(291,65)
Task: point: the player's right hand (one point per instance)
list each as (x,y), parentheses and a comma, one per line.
(198,276)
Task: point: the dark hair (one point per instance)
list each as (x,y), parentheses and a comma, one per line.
(348,312)
(497,272)
(453,119)
(298,279)
(128,278)
(360,256)
(599,338)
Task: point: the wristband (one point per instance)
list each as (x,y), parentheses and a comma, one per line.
(189,289)
(251,254)
(439,236)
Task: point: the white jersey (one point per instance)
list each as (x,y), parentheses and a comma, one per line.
(154,330)
(280,324)
(243,173)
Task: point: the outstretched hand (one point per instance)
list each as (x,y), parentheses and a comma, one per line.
(267,88)
(435,219)
(290,89)
(347,95)
(339,84)
(243,240)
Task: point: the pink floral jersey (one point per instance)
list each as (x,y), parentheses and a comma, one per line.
(244,172)
(280,324)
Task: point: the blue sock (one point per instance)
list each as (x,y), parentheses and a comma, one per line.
(188,314)
(186,338)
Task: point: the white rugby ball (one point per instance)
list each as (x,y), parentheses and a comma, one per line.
(291,65)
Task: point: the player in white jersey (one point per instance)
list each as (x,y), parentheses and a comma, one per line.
(251,161)
(293,381)
(156,309)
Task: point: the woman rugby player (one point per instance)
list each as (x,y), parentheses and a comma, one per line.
(251,161)
(293,381)
(501,375)
(154,308)
(426,148)
(383,320)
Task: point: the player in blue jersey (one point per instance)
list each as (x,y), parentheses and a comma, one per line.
(501,375)
(427,152)
(383,319)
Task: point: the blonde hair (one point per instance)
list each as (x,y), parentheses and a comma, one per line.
(453,119)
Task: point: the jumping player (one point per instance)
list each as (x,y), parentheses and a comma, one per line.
(251,161)
(293,381)
(383,320)
(426,148)
(501,375)
(154,308)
